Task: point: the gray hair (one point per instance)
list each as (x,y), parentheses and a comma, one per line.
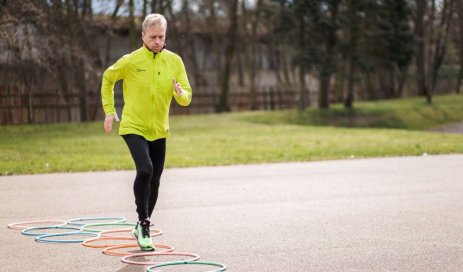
(153,20)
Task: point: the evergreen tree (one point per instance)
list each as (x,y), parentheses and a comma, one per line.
(396,44)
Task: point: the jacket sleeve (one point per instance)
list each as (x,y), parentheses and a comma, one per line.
(185,98)
(110,77)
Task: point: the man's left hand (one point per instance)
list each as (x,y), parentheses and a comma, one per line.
(177,87)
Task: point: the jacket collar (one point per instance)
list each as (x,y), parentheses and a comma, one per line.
(151,53)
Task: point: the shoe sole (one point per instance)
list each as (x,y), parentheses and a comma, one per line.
(142,248)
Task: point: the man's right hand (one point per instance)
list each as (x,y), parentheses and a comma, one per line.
(108,122)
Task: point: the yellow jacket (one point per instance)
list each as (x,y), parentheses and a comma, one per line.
(148,91)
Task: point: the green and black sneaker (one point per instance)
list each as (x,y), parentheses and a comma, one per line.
(142,234)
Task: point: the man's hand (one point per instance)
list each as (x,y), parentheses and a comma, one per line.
(108,122)
(177,87)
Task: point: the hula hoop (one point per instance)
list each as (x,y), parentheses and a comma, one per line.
(86,228)
(44,238)
(126,259)
(27,231)
(76,221)
(88,241)
(222,266)
(22,225)
(154,232)
(111,250)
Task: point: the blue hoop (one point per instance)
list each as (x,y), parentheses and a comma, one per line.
(44,238)
(87,229)
(114,220)
(27,231)
(222,266)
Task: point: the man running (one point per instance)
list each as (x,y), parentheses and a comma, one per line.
(152,76)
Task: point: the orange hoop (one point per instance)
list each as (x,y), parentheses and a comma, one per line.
(112,250)
(88,241)
(154,232)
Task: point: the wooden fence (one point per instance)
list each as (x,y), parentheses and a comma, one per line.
(50,107)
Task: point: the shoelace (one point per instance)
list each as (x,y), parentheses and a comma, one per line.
(145,230)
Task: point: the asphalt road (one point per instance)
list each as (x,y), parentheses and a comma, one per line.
(385,214)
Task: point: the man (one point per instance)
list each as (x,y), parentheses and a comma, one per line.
(152,76)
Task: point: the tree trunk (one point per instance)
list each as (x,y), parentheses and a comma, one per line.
(251,41)
(214,32)
(284,52)
(401,84)
(323,95)
(441,42)
(352,32)
(421,7)
(276,59)
(132,31)
(80,82)
(172,29)
(110,33)
(303,97)
(192,52)
(328,61)
(460,44)
(157,6)
(144,10)
(229,52)
(431,52)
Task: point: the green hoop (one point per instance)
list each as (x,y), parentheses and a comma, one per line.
(222,266)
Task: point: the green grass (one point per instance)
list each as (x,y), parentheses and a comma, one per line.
(372,129)
(411,113)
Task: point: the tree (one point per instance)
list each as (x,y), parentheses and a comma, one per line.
(48,47)
(192,51)
(459,6)
(396,44)
(325,20)
(301,11)
(431,42)
(132,29)
(223,72)
(441,41)
(421,11)
(352,33)
(251,21)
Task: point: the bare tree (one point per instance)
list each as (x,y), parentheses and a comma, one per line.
(214,34)
(352,36)
(110,32)
(441,40)
(251,22)
(460,44)
(431,48)
(191,49)
(132,30)
(329,53)
(229,53)
(421,11)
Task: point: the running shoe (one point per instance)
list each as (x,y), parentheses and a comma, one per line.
(142,235)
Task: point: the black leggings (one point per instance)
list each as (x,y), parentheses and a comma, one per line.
(149,159)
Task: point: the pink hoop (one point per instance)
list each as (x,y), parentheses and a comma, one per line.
(126,259)
(111,250)
(154,232)
(23,225)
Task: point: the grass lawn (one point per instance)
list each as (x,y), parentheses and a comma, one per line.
(372,129)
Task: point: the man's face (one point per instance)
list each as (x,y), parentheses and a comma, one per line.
(154,37)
